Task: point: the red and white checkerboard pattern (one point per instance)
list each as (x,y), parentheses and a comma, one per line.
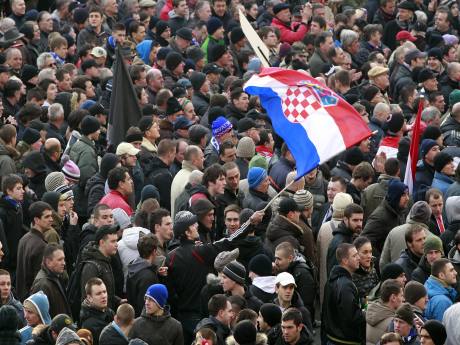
(299,103)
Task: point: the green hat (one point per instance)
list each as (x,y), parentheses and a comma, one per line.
(258,161)
(454,97)
(433,243)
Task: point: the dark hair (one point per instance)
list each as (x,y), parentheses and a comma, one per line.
(361,241)
(95,8)
(391,166)
(439,266)
(208,334)
(227,144)
(49,251)
(389,287)
(406,92)
(247,314)
(433,192)
(98,208)
(118,27)
(390,337)
(133,27)
(135,72)
(411,231)
(352,209)
(36,93)
(292,314)
(216,303)
(80,81)
(11,87)
(116,175)
(75,118)
(236,93)
(363,171)
(156,217)
(147,244)
(212,174)
(166,146)
(37,208)
(9,182)
(90,283)
(343,251)
(321,38)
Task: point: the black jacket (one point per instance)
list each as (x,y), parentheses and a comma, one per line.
(111,336)
(342,317)
(448,236)
(409,262)
(281,229)
(94,319)
(253,199)
(233,114)
(222,331)
(341,234)
(306,338)
(250,247)
(422,272)
(11,217)
(141,274)
(306,281)
(297,303)
(160,176)
(423,179)
(54,132)
(451,132)
(94,191)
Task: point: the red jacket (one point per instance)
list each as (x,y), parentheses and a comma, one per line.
(116,200)
(288,35)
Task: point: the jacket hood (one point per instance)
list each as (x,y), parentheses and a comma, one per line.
(453,208)
(138,265)
(266,284)
(91,252)
(339,272)
(93,181)
(342,229)
(67,336)
(157,319)
(377,312)
(87,311)
(7,150)
(435,288)
(41,303)
(130,237)
(454,256)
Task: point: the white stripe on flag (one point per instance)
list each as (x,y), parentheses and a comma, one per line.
(408,181)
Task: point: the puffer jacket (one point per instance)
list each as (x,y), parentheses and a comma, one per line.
(127,246)
(440,297)
(253,198)
(378,318)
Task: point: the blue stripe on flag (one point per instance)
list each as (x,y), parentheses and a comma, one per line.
(294,134)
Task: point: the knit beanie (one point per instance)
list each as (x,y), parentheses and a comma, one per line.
(108,162)
(31,136)
(213,25)
(182,221)
(454,96)
(391,271)
(235,271)
(28,72)
(161,27)
(370,92)
(341,200)
(216,52)
(246,148)
(441,160)
(163,53)
(54,180)
(245,333)
(256,176)
(224,258)
(436,330)
(220,126)
(70,169)
(260,265)
(427,145)
(9,319)
(258,161)
(245,214)
(67,336)
(35,162)
(395,190)
(413,291)
(150,192)
(80,15)
(172,106)
(432,243)
(52,198)
(173,60)
(304,199)
(405,313)
(202,206)
(353,156)
(271,313)
(89,125)
(420,212)
(395,122)
(158,293)
(197,79)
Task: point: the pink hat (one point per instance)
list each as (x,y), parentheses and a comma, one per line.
(70,170)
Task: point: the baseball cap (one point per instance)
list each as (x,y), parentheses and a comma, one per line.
(182,123)
(98,52)
(212,68)
(97,109)
(405,35)
(126,148)
(285,279)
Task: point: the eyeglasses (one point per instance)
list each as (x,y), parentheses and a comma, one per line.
(53,64)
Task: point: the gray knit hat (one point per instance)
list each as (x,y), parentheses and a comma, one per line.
(54,180)
(182,221)
(67,336)
(304,199)
(414,291)
(224,258)
(246,148)
(405,313)
(235,271)
(420,212)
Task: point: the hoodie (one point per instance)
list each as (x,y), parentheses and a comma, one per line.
(127,247)
(40,301)
(263,288)
(378,318)
(440,297)
(67,336)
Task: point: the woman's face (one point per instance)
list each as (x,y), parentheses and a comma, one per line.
(189,111)
(454,10)
(166,34)
(365,255)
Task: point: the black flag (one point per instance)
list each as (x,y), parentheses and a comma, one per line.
(124,107)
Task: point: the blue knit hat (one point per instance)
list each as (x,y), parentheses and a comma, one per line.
(255,176)
(213,25)
(395,190)
(426,146)
(158,293)
(220,126)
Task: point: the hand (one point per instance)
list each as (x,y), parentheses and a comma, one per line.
(198,243)
(257,217)
(379,162)
(387,52)
(73,218)
(306,13)
(163,271)
(356,76)
(11,119)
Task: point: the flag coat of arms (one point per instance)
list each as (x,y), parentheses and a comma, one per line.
(314,121)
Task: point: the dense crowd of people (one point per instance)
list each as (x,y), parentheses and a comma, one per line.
(195,228)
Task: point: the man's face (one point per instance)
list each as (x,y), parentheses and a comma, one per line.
(205,12)
(109,245)
(18,7)
(291,332)
(227,315)
(328,44)
(401,327)
(127,185)
(139,35)
(66,83)
(433,63)
(382,81)
(5,287)
(62,208)
(439,103)
(227,283)
(242,102)
(220,7)
(353,259)
(181,9)
(425,338)
(17,193)
(164,231)
(429,157)
(282,261)
(129,161)
(15,61)
(389,7)
(418,240)
(229,155)
(232,221)
(98,296)
(285,293)
(45,221)
(51,92)
(208,219)
(105,218)
(354,223)
(433,255)
(404,200)
(233,178)
(271,41)
(89,88)
(57,263)
(119,36)
(46,23)
(264,185)
(441,21)
(449,169)
(111,7)
(150,306)
(219,185)
(315,28)
(450,274)
(284,15)
(404,14)
(436,205)
(332,189)
(95,19)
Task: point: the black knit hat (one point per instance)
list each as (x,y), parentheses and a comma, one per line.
(245,124)
(216,52)
(172,106)
(245,333)
(160,27)
(271,314)
(370,92)
(28,72)
(413,291)
(197,79)
(31,136)
(52,198)
(353,156)
(261,265)
(185,33)
(173,60)
(436,330)
(235,271)
(441,160)
(395,122)
(391,271)
(236,35)
(105,230)
(108,162)
(35,162)
(89,125)
(213,25)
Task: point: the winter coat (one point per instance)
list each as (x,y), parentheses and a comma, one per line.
(102,270)
(180,181)
(395,242)
(89,36)
(281,229)
(448,236)
(94,319)
(296,302)
(422,272)
(141,274)
(212,287)
(263,288)
(373,195)
(11,217)
(450,322)
(94,191)
(380,223)
(113,335)
(342,170)
(305,276)
(279,171)
(342,317)
(365,281)
(409,262)
(161,177)
(54,287)
(317,63)
(341,235)
(157,330)
(83,153)
(378,318)
(319,190)
(127,246)
(423,179)
(233,114)
(114,199)
(288,34)
(440,297)
(222,331)
(200,103)
(30,256)
(306,338)
(7,155)
(441,181)
(451,132)
(453,190)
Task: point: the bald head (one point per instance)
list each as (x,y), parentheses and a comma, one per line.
(455,113)
(381,111)
(53,148)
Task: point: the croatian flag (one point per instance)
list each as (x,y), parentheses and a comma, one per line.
(411,167)
(314,121)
